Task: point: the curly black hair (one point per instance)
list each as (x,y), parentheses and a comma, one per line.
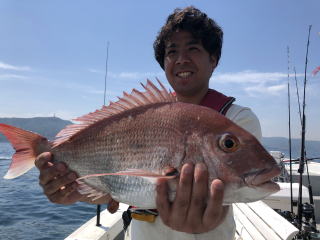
(198,24)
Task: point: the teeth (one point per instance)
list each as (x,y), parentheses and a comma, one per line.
(184,74)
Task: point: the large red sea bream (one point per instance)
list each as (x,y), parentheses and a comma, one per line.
(122,149)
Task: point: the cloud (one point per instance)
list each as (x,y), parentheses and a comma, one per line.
(263,89)
(249,76)
(255,83)
(10,76)
(129,75)
(6,66)
(92,70)
(136,75)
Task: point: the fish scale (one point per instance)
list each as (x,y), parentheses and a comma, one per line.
(137,147)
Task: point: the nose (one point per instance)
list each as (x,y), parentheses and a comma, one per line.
(182,57)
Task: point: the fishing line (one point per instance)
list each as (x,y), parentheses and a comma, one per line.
(104,103)
(289,110)
(105,77)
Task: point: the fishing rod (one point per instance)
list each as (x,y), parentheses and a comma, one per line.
(308,175)
(104,103)
(105,77)
(289,111)
(307,159)
(298,97)
(302,207)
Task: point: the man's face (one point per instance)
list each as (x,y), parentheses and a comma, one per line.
(188,66)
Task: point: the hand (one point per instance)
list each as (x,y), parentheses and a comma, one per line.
(59,184)
(192,211)
(57,181)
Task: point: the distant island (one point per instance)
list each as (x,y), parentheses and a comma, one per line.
(50,126)
(45,126)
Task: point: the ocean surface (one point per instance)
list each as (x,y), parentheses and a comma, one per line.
(25,212)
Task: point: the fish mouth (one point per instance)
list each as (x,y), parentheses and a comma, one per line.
(269,186)
(262,178)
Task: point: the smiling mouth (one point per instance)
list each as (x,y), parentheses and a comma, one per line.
(185,74)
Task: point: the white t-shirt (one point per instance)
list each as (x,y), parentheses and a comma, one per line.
(140,230)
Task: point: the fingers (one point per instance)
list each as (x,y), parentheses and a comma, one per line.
(174,214)
(66,195)
(59,184)
(42,160)
(56,184)
(216,199)
(57,181)
(113,206)
(199,192)
(162,201)
(195,209)
(181,203)
(48,170)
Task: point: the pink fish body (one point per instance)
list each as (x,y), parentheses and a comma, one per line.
(124,148)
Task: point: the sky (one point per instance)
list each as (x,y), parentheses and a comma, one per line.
(53,56)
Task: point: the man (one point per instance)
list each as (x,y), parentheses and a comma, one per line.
(188,48)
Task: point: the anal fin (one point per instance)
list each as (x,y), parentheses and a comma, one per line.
(89,191)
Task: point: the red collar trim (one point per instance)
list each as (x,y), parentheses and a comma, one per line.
(217,101)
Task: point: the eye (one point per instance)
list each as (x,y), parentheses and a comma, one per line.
(170,52)
(193,49)
(228,143)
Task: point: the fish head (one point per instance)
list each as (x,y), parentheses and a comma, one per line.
(236,157)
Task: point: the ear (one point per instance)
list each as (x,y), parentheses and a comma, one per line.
(213,60)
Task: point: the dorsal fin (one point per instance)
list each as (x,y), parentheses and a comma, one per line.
(127,101)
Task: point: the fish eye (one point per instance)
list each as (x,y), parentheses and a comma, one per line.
(228,143)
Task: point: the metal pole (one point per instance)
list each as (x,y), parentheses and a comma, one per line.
(98,215)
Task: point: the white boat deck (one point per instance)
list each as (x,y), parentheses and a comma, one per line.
(111,227)
(254,221)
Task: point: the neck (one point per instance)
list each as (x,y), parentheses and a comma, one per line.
(195,99)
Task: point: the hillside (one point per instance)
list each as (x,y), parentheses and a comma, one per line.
(45,126)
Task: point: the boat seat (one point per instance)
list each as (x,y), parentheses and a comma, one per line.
(257,221)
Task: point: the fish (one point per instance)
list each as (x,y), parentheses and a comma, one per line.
(123,149)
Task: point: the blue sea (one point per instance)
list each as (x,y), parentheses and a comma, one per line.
(25,212)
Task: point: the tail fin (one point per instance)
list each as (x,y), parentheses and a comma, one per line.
(27,145)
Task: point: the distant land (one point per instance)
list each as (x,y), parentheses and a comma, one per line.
(282,144)
(50,126)
(45,126)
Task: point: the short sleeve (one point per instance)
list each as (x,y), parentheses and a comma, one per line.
(246,119)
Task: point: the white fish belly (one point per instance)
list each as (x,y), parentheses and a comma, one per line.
(135,191)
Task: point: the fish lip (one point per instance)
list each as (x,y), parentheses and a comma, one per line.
(269,186)
(262,178)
